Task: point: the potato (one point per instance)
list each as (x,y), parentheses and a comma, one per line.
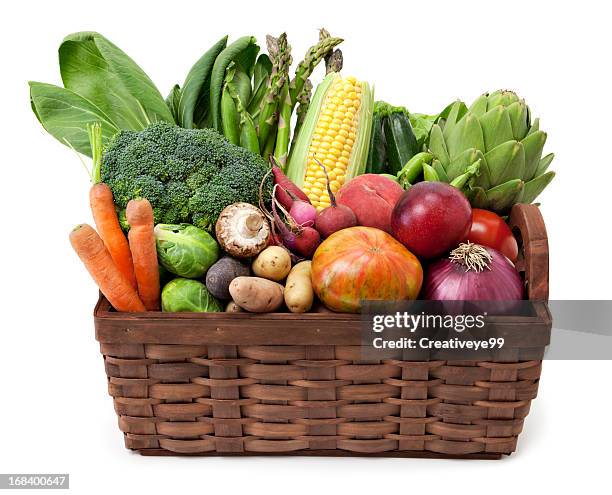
(232,307)
(255,294)
(273,263)
(298,290)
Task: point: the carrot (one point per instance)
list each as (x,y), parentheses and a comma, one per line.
(139,214)
(99,263)
(107,223)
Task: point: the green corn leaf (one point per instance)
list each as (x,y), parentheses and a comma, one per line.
(506,161)
(534,187)
(519,116)
(496,127)
(534,145)
(502,197)
(437,145)
(544,164)
(465,135)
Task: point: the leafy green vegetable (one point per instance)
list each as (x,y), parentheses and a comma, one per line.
(66,115)
(100,72)
(172,101)
(185,250)
(195,95)
(186,295)
(188,175)
(101,84)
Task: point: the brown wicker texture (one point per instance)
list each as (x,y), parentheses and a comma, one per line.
(243,384)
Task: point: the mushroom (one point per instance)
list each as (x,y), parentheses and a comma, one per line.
(242,230)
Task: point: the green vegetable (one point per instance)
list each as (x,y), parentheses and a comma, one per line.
(377,154)
(186,295)
(261,76)
(101,84)
(495,143)
(188,175)
(194,105)
(230,117)
(173,101)
(185,250)
(243,52)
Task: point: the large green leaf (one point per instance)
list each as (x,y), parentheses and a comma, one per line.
(243,52)
(94,68)
(173,99)
(195,95)
(65,115)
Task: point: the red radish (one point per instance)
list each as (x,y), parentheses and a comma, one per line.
(286,192)
(335,217)
(303,213)
(302,240)
(431,218)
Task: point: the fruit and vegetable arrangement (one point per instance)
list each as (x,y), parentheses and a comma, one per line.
(250,188)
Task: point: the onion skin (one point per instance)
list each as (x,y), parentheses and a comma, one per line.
(449,281)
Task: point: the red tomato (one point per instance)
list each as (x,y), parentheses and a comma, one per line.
(491,230)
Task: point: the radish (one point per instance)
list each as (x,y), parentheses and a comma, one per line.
(303,213)
(286,192)
(335,217)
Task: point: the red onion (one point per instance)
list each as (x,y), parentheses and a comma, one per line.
(473,273)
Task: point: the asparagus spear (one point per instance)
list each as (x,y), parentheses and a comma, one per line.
(302,107)
(280,55)
(315,54)
(334,59)
(284,130)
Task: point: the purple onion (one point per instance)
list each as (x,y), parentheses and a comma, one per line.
(473,273)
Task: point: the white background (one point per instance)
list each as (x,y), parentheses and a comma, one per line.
(55,414)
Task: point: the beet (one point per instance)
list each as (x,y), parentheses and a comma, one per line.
(306,242)
(431,218)
(334,218)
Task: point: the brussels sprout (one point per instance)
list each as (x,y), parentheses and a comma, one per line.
(185,250)
(183,294)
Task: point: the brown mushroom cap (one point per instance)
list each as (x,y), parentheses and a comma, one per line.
(242,230)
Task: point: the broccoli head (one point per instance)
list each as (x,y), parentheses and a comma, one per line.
(188,175)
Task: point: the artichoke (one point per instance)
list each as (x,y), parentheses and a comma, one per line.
(491,151)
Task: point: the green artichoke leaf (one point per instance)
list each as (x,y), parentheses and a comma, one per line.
(501,198)
(437,145)
(450,116)
(461,162)
(534,187)
(478,197)
(519,116)
(535,127)
(534,145)
(506,161)
(502,97)
(437,166)
(465,135)
(480,105)
(496,127)
(544,164)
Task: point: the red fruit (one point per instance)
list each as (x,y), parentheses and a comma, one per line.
(431,218)
(372,198)
(363,263)
(489,229)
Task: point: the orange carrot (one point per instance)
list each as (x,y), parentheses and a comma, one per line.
(139,214)
(96,258)
(107,223)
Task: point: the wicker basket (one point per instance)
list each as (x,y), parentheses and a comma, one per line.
(245,384)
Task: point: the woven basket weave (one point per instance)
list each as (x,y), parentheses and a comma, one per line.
(244,384)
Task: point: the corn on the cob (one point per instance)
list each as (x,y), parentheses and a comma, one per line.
(337,133)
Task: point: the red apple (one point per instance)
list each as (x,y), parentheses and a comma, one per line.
(431,218)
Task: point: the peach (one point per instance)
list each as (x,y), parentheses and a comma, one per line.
(372,198)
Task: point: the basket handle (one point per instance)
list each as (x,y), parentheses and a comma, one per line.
(528,221)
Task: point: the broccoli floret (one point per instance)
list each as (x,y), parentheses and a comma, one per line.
(188,175)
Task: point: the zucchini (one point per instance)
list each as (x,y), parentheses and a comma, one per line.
(377,156)
(400,140)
